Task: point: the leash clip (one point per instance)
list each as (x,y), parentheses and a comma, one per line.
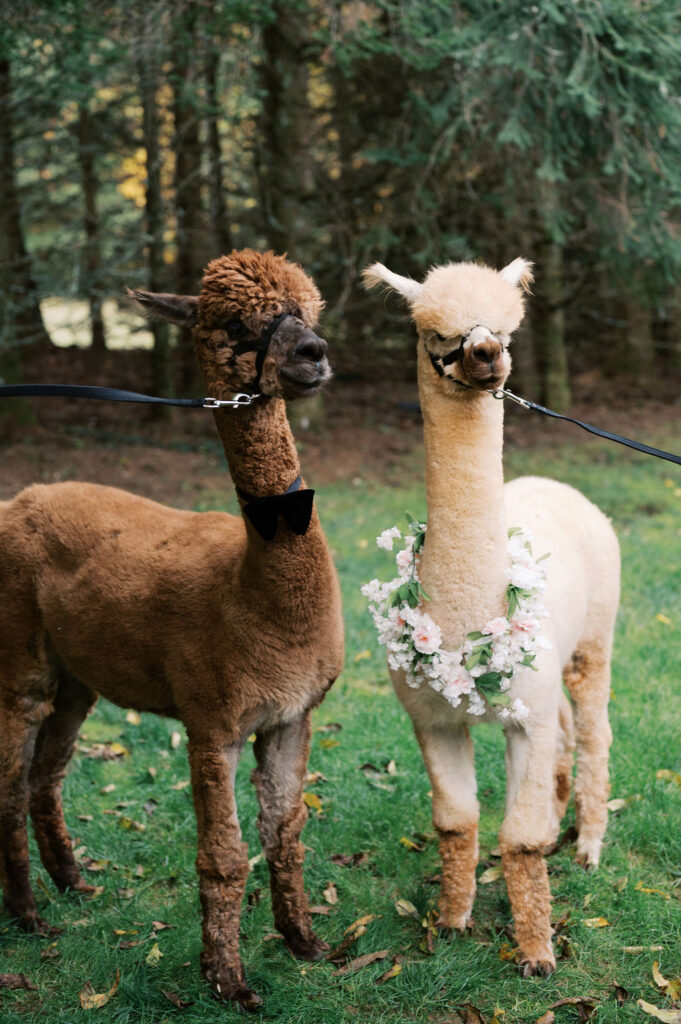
(240,399)
(500,394)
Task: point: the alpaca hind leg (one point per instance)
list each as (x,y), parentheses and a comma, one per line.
(587,677)
(529,827)
(222,866)
(19,723)
(564,758)
(448,754)
(53,749)
(282,755)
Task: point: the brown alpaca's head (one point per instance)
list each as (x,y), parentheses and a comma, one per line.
(253,325)
(465,315)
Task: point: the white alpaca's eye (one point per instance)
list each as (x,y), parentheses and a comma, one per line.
(440,337)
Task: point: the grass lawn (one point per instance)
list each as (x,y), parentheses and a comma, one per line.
(148,876)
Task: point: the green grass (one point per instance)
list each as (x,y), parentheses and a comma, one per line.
(642,850)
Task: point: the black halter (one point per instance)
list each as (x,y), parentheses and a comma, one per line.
(439,362)
(259,346)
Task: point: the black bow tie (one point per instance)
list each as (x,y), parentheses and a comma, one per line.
(295,506)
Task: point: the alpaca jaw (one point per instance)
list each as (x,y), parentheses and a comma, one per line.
(296,365)
(482,359)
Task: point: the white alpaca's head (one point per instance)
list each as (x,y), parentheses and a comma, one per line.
(465,309)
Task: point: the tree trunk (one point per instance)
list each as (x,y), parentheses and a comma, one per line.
(88,177)
(640,355)
(153,208)
(219,213)
(551,321)
(285,167)
(22,320)
(187,148)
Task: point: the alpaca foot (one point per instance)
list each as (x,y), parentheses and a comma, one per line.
(544,966)
(310,948)
(78,885)
(33,924)
(230,987)
(589,851)
(448,922)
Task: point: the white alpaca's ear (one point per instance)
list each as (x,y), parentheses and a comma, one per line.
(377,274)
(519,273)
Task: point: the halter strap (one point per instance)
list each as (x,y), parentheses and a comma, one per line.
(260,346)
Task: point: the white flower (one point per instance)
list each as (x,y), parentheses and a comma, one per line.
(385,539)
(404,560)
(525,624)
(495,627)
(373,590)
(427,635)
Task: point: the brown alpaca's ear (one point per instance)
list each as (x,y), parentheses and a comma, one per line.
(176,309)
(377,274)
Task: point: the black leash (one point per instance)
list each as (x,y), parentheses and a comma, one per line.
(118,395)
(636,445)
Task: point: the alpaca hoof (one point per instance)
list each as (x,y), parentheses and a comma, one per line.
(80,886)
(544,967)
(33,924)
(308,949)
(451,924)
(588,853)
(247,999)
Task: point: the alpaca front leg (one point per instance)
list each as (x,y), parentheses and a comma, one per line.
(529,827)
(448,754)
(222,865)
(282,755)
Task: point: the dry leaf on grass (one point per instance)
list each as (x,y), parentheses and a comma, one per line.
(175,739)
(96,865)
(640,887)
(104,751)
(339,952)
(331,893)
(507,952)
(471,1014)
(621,993)
(180,785)
(177,1000)
(491,875)
(85,817)
(312,800)
(319,909)
(17,981)
(596,922)
(361,961)
(546,1018)
(50,952)
(329,744)
(329,727)
(107,789)
(91,1000)
(669,776)
(406,909)
(668,1016)
(313,777)
(409,844)
(672,989)
(392,972)
(585,1006)
(153,956)
(349,860)
(131,825)
(133,717)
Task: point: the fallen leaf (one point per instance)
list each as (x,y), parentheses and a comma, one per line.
(491,875)
(587,900)
(104,751)
(139,871)
(97,865)
(126,894)
(153,772)
(160,926)
(596,922)
(406,909)
(664,619)
(128,944)
(133,717)
(585,1005)
(125,931)
(50,952)
(85,817)
(508,952)
(320,909)
(362,961)
(313,801)
(314,777)
(621,993)
(668,776)
(349,860)
(150,806)
(329,727)
(177,1000)
(180,785)
(653,892)
(360,922)
(668,1016)
(108,788)
(362,655)
(329,744)
(256,859)
(331,893)
(546,1018)
(391,768)
(642,949)
(471,1014)
(91,1000)
(96,892)
(17,981)
(411,845)
(131,825)
(616,805)
(339,952)
(153,956)
(175,739)
(672,989)
(392,972)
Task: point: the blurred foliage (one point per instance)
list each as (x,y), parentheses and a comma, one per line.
(410,131)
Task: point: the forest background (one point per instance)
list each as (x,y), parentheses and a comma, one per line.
(138,141)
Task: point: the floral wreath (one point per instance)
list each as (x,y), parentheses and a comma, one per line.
(482,668)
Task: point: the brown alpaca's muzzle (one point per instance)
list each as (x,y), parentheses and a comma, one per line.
(303,363)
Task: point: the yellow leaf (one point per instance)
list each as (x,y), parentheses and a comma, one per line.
(642,949)
(360,923)
(668,776)
(362,656)
(392,972)
(331,893)
(663,619)
(175,739)
(657,976)
(97,865)
(653,892)
(252,738)
(491,875)
(91,1000)
(668,1016)
(668,482)
(133,717)
(180,785)
(328,743)
(509,952)
(410,844)
(616,805)
(108,789)
(313,801)
(131,825)
(406,909)
(596,922)
(118,750)
(153,956)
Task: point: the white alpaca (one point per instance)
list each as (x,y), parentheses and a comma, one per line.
(465,315)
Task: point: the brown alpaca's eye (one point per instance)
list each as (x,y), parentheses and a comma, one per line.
(235,328)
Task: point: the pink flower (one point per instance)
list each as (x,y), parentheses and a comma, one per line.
(495,627)
(427,636)
(404,559)
(459,682)
(528,624)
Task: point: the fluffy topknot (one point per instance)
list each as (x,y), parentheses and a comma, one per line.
(458,296)
(257,286)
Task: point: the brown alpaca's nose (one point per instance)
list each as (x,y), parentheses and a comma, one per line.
(311,347)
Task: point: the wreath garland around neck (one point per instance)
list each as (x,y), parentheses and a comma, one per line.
(482,668)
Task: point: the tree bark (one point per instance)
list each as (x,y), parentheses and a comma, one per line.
(188,180)
(88,177)
(22,321)
(153,208)
(285,167)
(551,320)
(218,206)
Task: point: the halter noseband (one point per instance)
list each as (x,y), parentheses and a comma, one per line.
(260,346)
(453,356)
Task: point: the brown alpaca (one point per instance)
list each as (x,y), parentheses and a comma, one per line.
(193,615)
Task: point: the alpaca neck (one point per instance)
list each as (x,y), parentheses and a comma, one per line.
(465,556)
(259,447)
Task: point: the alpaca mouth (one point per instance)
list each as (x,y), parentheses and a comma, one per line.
(306,378)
